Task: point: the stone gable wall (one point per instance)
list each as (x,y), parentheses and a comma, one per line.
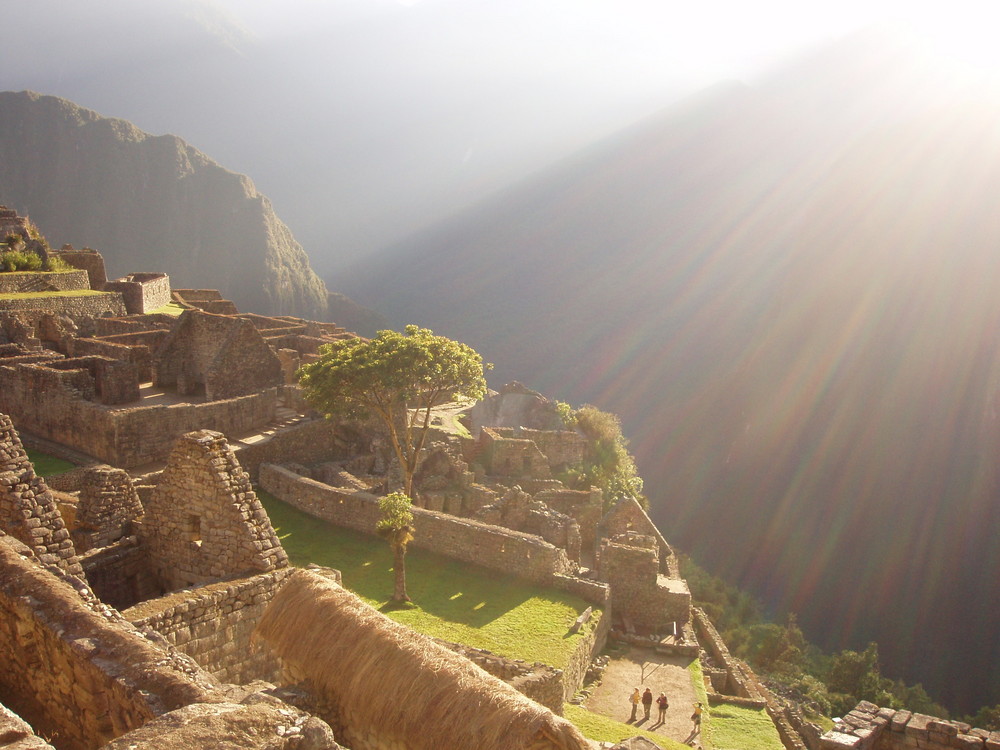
(214,624)
(493,547)
(869,727)
(28,510)
(73,668)
(628,516)
(203,520)
(505,456)
(14,282)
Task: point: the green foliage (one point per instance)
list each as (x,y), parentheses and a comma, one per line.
(13,240)
(455,601)
(20,260)
(609,465)
(396,517)
(397,378)
(988,717)
(58,264)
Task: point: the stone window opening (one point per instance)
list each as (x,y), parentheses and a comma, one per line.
(194,529)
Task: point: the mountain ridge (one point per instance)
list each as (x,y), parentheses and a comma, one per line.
(152,202)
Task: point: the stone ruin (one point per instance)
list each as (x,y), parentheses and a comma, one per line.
(869,727)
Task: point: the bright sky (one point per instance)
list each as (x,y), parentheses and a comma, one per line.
(704,41)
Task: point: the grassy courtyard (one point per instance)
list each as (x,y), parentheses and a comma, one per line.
(451,600)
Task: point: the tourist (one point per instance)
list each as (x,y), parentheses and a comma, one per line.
(634,700)
(696,718)
(661,704)
(647,702)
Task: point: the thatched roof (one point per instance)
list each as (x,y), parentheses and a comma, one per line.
(384,680)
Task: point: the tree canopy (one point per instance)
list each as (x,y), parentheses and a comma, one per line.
(397,378)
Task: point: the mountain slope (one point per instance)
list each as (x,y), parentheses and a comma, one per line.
(150,203)
(787,292)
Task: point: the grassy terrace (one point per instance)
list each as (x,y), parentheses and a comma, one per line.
(39,295)
(452,600)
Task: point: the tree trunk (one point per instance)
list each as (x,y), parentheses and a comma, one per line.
(399,568)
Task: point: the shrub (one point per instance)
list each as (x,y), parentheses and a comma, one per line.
(16,260)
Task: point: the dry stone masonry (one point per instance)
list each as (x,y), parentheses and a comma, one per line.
(206,520)
(28,510)
(869,727)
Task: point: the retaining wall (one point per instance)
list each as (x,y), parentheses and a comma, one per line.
(15,282)
(869,727)
(493,547)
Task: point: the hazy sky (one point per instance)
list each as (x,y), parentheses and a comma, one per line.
(700,41)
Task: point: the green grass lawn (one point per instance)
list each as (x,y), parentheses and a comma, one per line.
(171,308)
(602,729)
(46,465)
(739,728)
(452,600)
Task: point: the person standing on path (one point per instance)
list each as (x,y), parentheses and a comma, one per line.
(696,718)
(661,704)
(647,702)
(634,700)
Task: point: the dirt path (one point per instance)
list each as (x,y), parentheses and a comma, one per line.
(642,668)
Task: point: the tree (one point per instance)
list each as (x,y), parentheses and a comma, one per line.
(395,526)
(609,465)
(398,378)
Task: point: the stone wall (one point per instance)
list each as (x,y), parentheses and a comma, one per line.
(642,598)
(28,510)
(15,282)
(39,401)
(562,448)
(120,573)
(87,260)
(218,356)
(628,516)
(506,456)
(733,680)
(213,625)
(107,508)
(73,668)
(869,727)
(203,520)
(511,552)
(142,292)
(137,356)
(586,506)
(17,734)
(310,441)
(85,304)
(113,381)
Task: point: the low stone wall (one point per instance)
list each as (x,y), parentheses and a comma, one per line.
(575,671)
(213,624)
(868,727)
(736,683)
(72,667)
(595,592)
(493,547)
(308,442)
(65,281)
(540,682)
(138,356)
(89,304)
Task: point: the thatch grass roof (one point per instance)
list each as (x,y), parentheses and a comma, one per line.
(384,679)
